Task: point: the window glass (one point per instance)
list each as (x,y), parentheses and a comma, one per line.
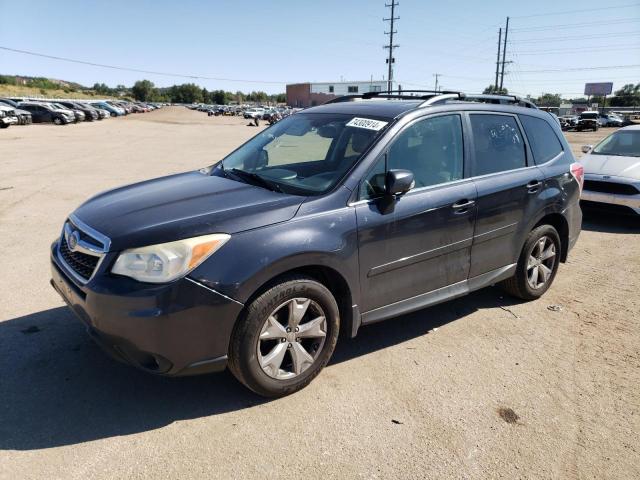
(352,89)
(304,153)
(624,143)
(498,144)
(543,140)
(373,184)
(432,149)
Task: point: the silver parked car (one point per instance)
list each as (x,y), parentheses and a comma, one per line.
(612,172)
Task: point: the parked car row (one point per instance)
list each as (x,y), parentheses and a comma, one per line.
(590,120)
(22,111)
(245,111)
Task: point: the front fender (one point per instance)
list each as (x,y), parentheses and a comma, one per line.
(252,258)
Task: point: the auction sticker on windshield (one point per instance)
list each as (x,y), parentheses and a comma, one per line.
(367,123)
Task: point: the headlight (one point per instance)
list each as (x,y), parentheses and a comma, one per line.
(167,261)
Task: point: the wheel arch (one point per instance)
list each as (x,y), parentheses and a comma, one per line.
(333,280)
(558,221)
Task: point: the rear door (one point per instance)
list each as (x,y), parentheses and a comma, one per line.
(420,241)
(508,185)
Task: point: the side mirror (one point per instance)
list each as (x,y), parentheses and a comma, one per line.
(586,148)
(398,182)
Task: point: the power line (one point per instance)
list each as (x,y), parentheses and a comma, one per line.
(633,33)
(594,49)
(627,5)
(616,21)
(150,72)
(577,69)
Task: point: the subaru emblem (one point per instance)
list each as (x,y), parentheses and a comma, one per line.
(73,239)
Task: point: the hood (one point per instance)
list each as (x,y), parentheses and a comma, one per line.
(182,206)
(612,165)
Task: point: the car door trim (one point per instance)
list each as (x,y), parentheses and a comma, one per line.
(495,233)
(420,257)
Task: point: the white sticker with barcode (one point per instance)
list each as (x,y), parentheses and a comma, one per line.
(367,123)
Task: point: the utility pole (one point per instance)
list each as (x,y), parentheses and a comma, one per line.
(504,54)
(495,84)
(436,75)
(391,46)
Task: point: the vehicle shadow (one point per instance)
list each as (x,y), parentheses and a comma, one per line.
(57,388)
(609,223)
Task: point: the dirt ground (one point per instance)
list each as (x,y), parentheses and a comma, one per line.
(480,387)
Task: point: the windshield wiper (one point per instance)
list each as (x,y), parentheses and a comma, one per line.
(255,179)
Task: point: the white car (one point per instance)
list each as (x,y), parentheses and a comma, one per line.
(253,112)
(612,172)
(7,116)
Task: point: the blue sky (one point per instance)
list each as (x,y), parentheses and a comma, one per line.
(278,42)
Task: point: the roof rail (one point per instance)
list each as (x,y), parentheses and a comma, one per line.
(431,97)
(397,94)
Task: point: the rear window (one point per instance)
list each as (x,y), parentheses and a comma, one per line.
(497,143)
(542,139)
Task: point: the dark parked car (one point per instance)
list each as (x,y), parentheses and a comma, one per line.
(45,113)
(374,209)
(90,113)
(24,117)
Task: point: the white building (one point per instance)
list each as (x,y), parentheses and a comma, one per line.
(317,93)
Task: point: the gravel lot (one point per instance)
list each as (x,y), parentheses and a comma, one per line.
(481,387)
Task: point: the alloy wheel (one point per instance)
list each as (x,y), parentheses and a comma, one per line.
(291,338)
(541,262)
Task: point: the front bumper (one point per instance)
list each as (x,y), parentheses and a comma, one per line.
(9,120)
(632,202)
(180,328)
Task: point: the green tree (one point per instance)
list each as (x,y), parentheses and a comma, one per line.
(494,89)
(549,100)
(143,90)
(627,96)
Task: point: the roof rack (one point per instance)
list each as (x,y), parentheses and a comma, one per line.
(432,97)
(393,94)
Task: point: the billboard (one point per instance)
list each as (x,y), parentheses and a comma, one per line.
(603,88)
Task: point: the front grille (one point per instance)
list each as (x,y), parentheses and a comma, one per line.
(610,187)
(81,263)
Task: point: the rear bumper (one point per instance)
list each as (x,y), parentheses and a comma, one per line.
(181,328)
(9,120)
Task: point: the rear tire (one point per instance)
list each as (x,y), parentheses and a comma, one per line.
(537,265)
(285,337)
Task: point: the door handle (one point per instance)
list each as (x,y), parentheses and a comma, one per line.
(533,186)
(462,206)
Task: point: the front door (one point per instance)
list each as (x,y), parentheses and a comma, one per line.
(421,241)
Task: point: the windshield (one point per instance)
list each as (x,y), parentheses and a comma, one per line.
(624,143)
(304,154)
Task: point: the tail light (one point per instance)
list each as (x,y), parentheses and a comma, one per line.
(577,171)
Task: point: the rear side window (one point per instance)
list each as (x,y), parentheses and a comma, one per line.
(497,143)
(543,140)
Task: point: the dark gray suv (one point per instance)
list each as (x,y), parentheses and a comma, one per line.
(341,215)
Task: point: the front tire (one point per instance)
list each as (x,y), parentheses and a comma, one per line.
(285,337)
(57,121)
(537,265)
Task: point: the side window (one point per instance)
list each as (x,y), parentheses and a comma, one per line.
(432,149)
(498,144)
(543,140)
